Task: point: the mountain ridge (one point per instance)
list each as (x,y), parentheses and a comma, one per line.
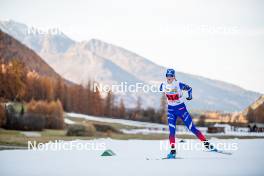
(111,64)
(11,49)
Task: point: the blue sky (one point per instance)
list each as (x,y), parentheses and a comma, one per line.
(217,39)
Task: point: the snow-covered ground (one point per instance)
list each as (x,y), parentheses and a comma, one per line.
(68,121)
(130,159)
(30,133)
(119,121)
(151,128)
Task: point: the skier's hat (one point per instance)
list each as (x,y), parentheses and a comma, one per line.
(170,72)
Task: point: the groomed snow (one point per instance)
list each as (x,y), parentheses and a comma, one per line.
(131,160)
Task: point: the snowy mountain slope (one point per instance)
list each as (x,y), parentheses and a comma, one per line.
(110,64)
(130,159)
(208,93)
(53,41)
(139,66)
(81,65)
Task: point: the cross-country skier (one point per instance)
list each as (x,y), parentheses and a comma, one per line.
(176,108)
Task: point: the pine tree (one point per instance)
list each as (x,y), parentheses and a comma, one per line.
(88,96)
(137,113)
(109,104)
(139,104)
(163,109)
(97,105)
(122,109)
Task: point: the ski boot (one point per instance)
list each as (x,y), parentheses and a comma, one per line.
(172,154)
(209,146)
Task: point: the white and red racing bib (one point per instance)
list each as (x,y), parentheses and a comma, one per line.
(172,92)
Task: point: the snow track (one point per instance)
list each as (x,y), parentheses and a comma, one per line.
(131,160)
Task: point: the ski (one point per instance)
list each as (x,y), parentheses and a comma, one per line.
(220,151)
(171,158)
(165,158)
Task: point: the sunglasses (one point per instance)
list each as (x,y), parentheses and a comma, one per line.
(169,76)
